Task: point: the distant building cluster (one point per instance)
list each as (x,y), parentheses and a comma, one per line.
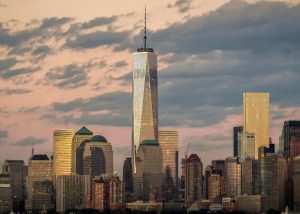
(80,172)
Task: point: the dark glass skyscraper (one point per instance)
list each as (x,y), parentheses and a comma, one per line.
(290,129)
(236,130)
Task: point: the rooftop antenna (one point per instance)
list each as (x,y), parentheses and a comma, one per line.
(145,29)
(32,150)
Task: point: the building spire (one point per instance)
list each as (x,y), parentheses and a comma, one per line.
(145,29)
(144,48)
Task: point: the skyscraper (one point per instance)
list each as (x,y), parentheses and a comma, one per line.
(194,171)
(256,118)
(97,157)
(168,141)
(247,149)
(71,190)
(148,176)
(290,129)
(236,131)
(62,152)
(5,194)
(233,177)
(17,172)
(81,135)
(127,178)
(40,169)
(296,181)
(145,97)
(272,177)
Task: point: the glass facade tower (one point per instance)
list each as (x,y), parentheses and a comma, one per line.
(256,118)
(145,98)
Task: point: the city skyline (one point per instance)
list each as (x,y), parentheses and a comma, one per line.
(85,72)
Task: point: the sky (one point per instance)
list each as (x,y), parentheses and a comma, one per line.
(67,64)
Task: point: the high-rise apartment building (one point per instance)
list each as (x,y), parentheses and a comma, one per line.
(149,172)
(290,129)
(233,177)
(145,98)
(194,171)
(296,184)
(62,152)
(81,135)
(38,183)
(256,118)
(236,131)
(71,191)
(168,141)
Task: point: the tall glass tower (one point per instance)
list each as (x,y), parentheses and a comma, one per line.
(144,86)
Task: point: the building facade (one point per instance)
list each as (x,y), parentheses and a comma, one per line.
(127,179)
(247,148)
(290,129)
(256,118)
(71,191)
(81,135)
(296,183)
(272,178)
(62,151)
(145,99)
(233,177)
(168,141)
(149,172)
(97,157)
(236,131)
(5,194)
(38,183)
(17,172)
(194,185)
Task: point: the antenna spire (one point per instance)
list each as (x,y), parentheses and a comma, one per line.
(145,29)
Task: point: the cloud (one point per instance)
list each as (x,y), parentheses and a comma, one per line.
(120,64)
(182,5)
(7,63)
(68,77)
(29,141)
(97,39)
(3,134)
(99,21)
(237,25)
(48,28)
(29,109)
(40,52)
(12,91)
(108,109)
(17,72)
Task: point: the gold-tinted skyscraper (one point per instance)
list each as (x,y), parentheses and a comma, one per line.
(168,141)
(256,118)
(62,142)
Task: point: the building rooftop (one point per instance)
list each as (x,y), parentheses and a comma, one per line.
(150,142)
(14,161)
(98,138)
(84,131)
(40,157)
